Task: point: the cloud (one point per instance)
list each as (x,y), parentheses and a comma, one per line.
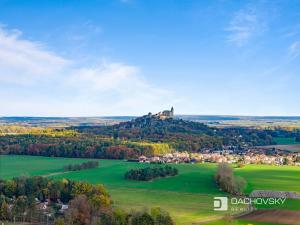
(244,25)
(294,49)
(23,61)
(104,76)
(37,81)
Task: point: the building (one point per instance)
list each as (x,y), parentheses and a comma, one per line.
(166,114)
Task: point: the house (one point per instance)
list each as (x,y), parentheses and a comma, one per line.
(142,158)
(42,206)
(63,208)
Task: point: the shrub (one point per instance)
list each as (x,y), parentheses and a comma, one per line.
(150,173)
(82,166)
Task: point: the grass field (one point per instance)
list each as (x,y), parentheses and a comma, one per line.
(188,197)
(265,177)
(286,141)
(240,222)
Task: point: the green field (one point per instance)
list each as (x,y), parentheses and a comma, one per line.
(286,141)
(265,177)
(188,197)
(240,222)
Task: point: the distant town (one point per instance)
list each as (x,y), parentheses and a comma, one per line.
(252,156)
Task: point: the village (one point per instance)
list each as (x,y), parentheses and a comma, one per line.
(251,156)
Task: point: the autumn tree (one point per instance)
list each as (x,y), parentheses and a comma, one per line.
(227,181)
(79,212)
(4,211)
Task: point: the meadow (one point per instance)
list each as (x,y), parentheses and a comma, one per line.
(241,222)
(286,141)
(188,196)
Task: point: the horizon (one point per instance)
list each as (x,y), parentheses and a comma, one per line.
(175,115)
(129,57)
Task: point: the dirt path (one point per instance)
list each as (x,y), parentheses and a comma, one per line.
(53,174)
(274,216)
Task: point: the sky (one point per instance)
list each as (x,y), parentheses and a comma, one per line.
(131,57)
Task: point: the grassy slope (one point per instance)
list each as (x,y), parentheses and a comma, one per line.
(188,196)
(12,166)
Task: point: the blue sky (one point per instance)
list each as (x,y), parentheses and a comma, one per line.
(129,57)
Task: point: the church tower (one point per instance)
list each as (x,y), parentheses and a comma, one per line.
(172,111)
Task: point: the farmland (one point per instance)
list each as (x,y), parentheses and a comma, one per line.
(194,185)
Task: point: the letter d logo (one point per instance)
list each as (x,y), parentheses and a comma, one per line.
(220,203)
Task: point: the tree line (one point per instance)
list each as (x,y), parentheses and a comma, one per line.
(82,166)
(83,146)
(53,132)
(150,173)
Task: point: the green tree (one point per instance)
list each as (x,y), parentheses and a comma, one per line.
(142,219)
(59,221)
(285,161)
(161,217)
(120,217)
(10,188)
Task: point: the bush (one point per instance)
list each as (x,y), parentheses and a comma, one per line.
(150,173)
(82,166)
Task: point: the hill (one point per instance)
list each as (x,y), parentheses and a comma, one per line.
(181,134)
(147,135)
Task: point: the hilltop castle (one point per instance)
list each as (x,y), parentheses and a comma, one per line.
(165,114)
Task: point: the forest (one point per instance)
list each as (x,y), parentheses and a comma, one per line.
(145,135)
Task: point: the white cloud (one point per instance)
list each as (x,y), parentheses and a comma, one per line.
(39,82)
(244,25)
(294,49)
(23,61)
(105,76)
